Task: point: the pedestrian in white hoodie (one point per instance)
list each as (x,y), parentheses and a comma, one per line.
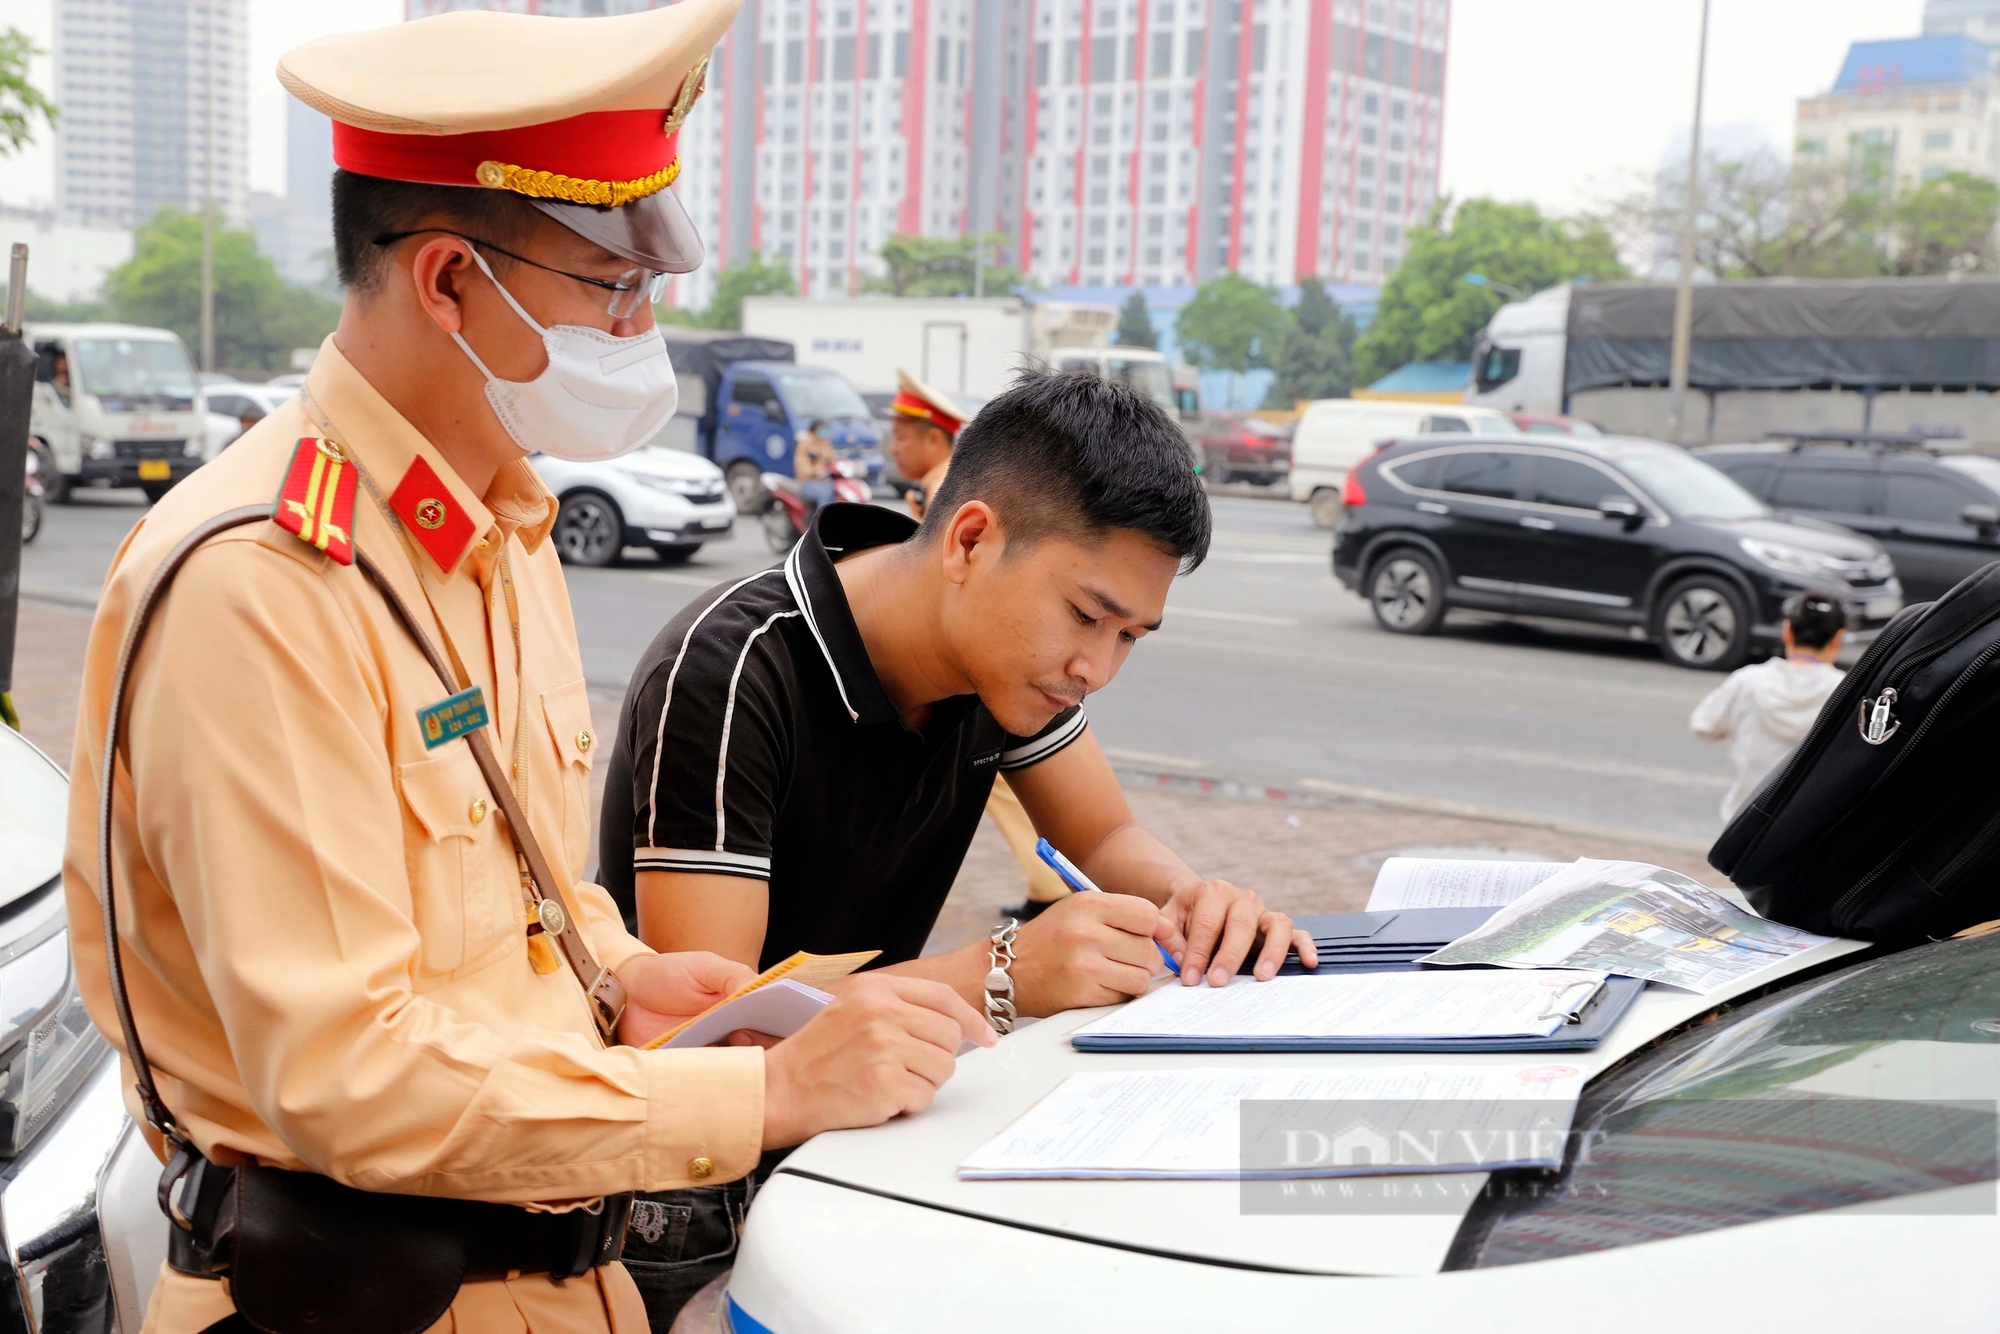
(1763,710)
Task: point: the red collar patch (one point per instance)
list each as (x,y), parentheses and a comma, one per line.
(317,500)
(426,506)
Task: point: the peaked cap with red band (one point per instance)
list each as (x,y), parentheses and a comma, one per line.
(582,116)
(914,398)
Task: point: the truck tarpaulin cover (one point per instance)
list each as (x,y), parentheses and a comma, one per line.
(1884,333)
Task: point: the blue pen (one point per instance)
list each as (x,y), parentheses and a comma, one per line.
(1082,884)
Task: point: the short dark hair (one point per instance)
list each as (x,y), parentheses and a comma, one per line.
(365,207)
(1815,617)
(1075,455)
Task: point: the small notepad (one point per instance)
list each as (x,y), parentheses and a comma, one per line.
(810,970)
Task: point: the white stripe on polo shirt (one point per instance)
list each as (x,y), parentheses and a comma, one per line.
(1040,748)
(701,861)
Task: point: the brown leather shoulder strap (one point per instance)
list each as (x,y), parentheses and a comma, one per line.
(605,992)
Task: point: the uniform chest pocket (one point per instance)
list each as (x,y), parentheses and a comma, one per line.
(461,887)
(566,708)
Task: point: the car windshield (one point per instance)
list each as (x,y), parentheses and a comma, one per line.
(1492,423)
(1980,468)
(821,397)
(1689,488)
(1876,1083)
(127,374)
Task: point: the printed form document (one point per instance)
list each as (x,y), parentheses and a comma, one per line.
(1486,1004)
(1384,1120)
(1438,882)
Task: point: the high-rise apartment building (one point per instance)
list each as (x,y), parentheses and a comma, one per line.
(155,109)
(1114,142)
(1905,111)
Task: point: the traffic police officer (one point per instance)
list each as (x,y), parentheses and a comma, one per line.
(923,425)
(319,895)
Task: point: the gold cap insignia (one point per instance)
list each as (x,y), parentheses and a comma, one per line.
(690,93)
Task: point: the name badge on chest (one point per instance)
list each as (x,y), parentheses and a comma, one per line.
(450,719)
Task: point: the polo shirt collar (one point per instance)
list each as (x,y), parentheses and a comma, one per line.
(838,530)
(517,504)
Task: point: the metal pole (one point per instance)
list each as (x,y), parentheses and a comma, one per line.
(17,393)
(1684,284)
(208,188)
(17,288)
(979,268)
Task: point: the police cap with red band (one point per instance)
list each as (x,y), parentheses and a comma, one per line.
(916,399)
(581,116)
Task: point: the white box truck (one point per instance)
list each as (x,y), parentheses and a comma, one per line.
(967,348)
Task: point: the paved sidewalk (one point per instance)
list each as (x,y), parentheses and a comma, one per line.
(1305,853)
(48,669)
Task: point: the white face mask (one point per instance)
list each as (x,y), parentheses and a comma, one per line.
(599,397)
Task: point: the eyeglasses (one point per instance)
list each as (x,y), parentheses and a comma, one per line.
(628,289)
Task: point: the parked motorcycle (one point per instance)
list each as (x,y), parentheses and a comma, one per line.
(31,503)
(786,519)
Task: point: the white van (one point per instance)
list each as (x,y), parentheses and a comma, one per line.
(1337,433)
(116,405)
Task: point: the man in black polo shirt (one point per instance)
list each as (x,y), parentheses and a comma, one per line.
(803,755)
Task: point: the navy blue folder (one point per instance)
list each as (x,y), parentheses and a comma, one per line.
(1374,941)
(1591,1027)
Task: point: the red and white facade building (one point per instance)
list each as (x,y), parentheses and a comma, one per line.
(1111,142)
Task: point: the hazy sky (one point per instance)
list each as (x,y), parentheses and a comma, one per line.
(1555,101)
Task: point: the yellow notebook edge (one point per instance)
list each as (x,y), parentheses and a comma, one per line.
(810,969)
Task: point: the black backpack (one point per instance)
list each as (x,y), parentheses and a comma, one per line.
(1884,824)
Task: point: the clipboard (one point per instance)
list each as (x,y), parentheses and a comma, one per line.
(1586,1029)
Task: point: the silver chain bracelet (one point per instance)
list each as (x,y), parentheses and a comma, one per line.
(1000,981)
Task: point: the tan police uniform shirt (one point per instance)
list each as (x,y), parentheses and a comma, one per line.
(326,954)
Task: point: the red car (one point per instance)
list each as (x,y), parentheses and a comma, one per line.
(1246,449)
(1539,423)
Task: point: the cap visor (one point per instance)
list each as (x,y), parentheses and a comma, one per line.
(655,232)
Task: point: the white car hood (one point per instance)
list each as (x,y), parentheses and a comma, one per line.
(915,1158)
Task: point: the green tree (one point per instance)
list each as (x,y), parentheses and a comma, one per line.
(21,103)
(1428,312)
(259,318)
(1314,356)
(754,276)
(1135,326)
(1944,226)
(1232,324)
(942,266)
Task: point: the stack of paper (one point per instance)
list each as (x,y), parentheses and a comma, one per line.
(1384,1011)
(1283,1124)
(1442,882)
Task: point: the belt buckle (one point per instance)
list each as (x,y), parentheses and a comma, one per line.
(617,1222)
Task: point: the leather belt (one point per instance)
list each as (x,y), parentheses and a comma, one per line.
(493,1240)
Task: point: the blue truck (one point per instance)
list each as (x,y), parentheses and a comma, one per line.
(745,398)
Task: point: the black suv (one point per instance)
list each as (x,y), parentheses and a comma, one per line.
(1936,514)
(1611,530)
